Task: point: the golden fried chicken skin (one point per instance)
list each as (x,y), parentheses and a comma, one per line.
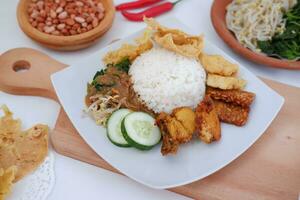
(208,126)
(177,128)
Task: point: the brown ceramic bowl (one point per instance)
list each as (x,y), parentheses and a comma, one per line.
(218,13)
(66,43)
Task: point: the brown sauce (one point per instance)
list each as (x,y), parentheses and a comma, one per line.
(117,82)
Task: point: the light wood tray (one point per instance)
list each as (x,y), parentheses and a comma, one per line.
(270,169)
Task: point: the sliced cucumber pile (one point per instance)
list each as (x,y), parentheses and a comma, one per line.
(140,131)
(114,132)
(137,129)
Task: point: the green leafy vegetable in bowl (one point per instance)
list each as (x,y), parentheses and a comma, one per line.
(287,44)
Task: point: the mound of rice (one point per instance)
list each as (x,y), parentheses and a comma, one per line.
(165,80)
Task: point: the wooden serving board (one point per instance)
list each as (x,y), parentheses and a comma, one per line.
(270,169)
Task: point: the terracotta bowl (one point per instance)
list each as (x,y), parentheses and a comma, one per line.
(218,13)
(66,43)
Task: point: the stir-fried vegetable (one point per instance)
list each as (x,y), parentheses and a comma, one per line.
(287,44)
(123,66)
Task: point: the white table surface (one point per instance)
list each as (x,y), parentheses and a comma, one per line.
(77,180)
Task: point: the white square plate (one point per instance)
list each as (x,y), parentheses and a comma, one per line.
(194,160)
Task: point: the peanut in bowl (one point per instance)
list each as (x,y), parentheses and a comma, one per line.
(65,25)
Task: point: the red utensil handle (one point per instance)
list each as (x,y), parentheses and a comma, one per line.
(150,12)
(136,4)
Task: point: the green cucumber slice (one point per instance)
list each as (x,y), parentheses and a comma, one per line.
(140,131)
(114,132)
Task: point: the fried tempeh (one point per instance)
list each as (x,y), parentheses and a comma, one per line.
(232,114)
(208,125)
(225,83)
(216,64)
(237,97)
(177,128)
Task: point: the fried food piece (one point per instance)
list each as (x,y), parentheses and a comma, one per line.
(24,149)
(176,40)
(216,64)
(208,126)
(177,128)
(6,180)
(225,83)
(237,97)
(232,114)
(128,51)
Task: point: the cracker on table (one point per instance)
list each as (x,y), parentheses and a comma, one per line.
(24,149)
(6,180)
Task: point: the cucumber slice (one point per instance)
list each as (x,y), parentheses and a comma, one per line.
(140,131)
(114,132)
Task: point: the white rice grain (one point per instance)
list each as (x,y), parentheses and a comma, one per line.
(165,80)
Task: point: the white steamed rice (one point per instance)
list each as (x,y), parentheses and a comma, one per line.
(165,80)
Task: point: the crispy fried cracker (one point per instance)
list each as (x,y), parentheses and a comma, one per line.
(208,125)
(225,83)
(6,180)
(176,40)
(130,51)
(237,97)
(216,64)
(232,114)
(24,149)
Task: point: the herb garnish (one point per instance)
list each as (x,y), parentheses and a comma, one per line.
(123,65)
(287,44)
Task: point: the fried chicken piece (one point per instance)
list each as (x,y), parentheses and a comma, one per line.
(177,128)
(225,83)
(208,125)
(232,114)
(237,97)
(216,64)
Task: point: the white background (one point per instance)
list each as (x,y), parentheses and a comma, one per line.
(77,180)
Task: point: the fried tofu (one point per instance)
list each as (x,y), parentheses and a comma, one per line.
(216,64)
(177,128)
(232,114)
(237,97)
(208,126)
(225,83)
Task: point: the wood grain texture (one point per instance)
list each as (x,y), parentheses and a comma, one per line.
(66,43)
(269,170)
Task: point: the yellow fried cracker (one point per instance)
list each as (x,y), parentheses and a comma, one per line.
(216,64)
(130,51)
(6,180)
(225,83)
(176,40)
(24,149)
